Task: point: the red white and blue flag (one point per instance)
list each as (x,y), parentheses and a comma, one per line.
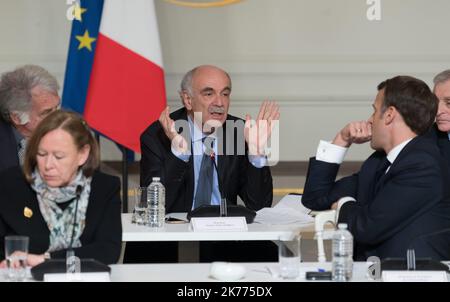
(114,75)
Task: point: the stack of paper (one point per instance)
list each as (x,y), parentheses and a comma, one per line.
(289,210)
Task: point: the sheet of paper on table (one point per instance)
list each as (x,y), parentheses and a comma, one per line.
(289,210)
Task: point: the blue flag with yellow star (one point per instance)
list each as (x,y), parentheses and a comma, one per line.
(85,28)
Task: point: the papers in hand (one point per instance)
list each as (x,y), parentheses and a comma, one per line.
(289,210)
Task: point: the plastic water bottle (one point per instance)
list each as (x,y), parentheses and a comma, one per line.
(342,265)
(156,200)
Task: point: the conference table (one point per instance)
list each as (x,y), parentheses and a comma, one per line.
(183,232)
(200,272)
(188,240)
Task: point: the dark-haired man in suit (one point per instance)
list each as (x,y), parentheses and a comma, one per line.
(180,160)
(400,195)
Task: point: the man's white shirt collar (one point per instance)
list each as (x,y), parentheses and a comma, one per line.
(392,155)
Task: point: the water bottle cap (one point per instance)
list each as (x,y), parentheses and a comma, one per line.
(155,178)
(342,226)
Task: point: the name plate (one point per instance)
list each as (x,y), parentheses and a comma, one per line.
(78,277)
(414,276)
(219,224)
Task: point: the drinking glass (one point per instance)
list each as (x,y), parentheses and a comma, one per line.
(16,252)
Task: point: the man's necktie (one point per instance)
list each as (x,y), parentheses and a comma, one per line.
(380,172)
(21,152)
(205,177)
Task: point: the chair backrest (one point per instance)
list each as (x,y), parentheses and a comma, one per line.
(320,220)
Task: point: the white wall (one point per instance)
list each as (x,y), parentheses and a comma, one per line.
(321,59)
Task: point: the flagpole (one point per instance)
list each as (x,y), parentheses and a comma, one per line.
(97,138)
(124,179)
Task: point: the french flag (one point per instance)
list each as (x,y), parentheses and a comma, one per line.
(114,75)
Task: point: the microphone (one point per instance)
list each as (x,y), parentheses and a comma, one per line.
(223,200)
(77,197)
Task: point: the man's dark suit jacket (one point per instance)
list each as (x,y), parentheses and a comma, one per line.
(238,175)
(410,202)
(442,141)
(102,235)
(8,147)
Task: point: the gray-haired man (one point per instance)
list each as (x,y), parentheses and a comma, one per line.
(27,95)
(441,129)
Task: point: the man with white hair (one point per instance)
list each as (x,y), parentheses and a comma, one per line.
(441,129)
(27,95)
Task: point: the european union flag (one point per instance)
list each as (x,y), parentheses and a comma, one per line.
(85,28)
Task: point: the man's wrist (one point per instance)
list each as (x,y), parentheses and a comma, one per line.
(340,141)
(258,151)
(180,155)
(258,161)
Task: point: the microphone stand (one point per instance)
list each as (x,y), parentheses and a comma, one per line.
(78,194)
(224,210)
(72,265)
(410,260)
(223,200)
